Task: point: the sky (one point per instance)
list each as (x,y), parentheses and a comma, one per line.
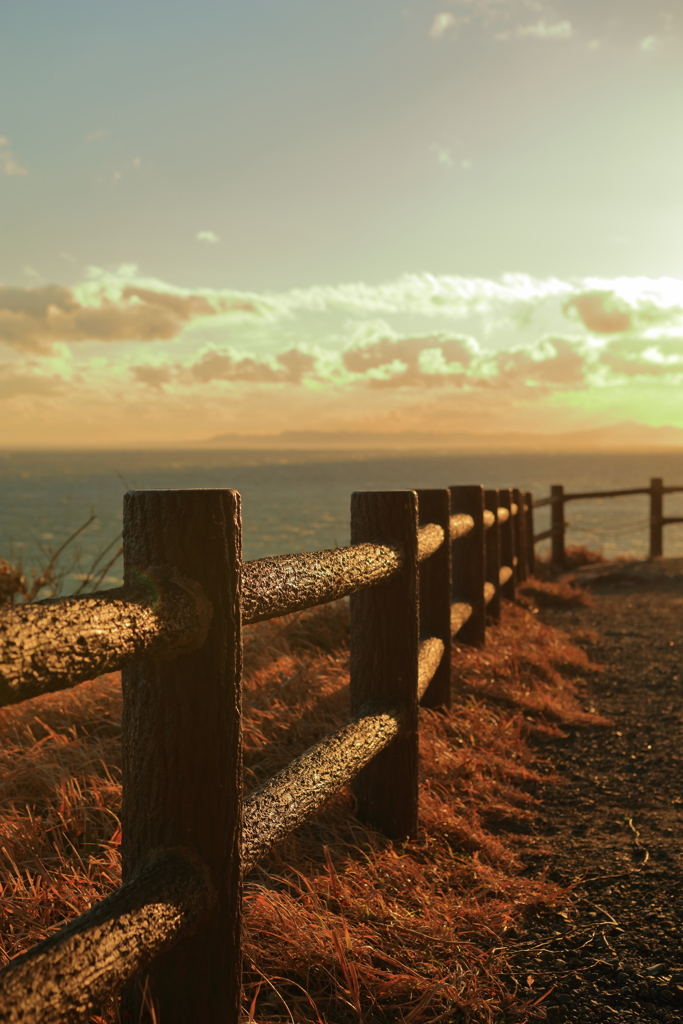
(222,218)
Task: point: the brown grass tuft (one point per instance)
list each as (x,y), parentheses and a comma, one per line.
(562,593)
(341,925)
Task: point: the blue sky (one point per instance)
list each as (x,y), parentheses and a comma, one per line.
(263,149)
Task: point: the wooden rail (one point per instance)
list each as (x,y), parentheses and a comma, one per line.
(558,498)
(423,567)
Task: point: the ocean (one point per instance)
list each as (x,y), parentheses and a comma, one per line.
(299,501)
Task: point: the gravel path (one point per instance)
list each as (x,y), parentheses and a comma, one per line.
(612,821)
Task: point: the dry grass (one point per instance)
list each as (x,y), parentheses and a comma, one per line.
(561,593)
(340,924)
(575,556)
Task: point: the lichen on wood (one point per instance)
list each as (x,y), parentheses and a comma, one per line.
(68,976)
(53,644)
(289,583)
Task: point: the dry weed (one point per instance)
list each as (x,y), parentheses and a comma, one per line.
(340,924)
(562,593)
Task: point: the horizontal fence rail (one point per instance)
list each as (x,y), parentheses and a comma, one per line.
(67,976)
(422,569)
(54,644)
(558,499)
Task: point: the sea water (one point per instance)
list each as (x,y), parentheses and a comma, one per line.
(299,501)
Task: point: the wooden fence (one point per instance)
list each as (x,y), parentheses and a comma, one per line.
(558,526)
(423,566)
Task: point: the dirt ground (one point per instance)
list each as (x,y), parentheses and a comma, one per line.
(611,826)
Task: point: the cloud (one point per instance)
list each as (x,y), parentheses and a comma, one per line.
(288,367)
(8,160)
(390,363)
(152,376)
(228,366)
(411,362)
(598,313)
(552,361)
(542,30)
(207,236)
(15,382)
(34,318)
(641,357)
(441,24)
(99,133)
(457,362)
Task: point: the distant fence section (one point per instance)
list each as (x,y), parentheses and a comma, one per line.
(558,498)
(424,568)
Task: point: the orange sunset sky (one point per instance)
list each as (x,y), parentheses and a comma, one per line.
(220,218)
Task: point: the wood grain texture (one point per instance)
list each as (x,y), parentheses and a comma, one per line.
(289,583)
(300,790)
(182,746)
(505,575)
(54,644)
(384,660)
(434,506)
(557,525)
(68,976)
(656,516)
(492,541)
(468,574)
(507,541)
(430,538)
(460,613)
(460,525)
(430,659)
(531,554)
(519,526)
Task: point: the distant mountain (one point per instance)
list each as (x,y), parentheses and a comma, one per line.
(618,437)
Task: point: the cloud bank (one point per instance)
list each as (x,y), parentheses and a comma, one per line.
(422,350)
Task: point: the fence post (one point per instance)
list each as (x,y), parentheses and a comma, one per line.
(384,660)
(182,747)
(434,506)
(558,556)
(530,547)
(656,517)
(521,569)
(468,566)
(507,543)
(492,542)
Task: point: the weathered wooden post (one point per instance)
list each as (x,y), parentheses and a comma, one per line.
(656,517)
(468,565)
(530,547)
(182,746)
(522,567)
(384,660)
(491,502)
(434,506)
(557,524)
(507,543)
